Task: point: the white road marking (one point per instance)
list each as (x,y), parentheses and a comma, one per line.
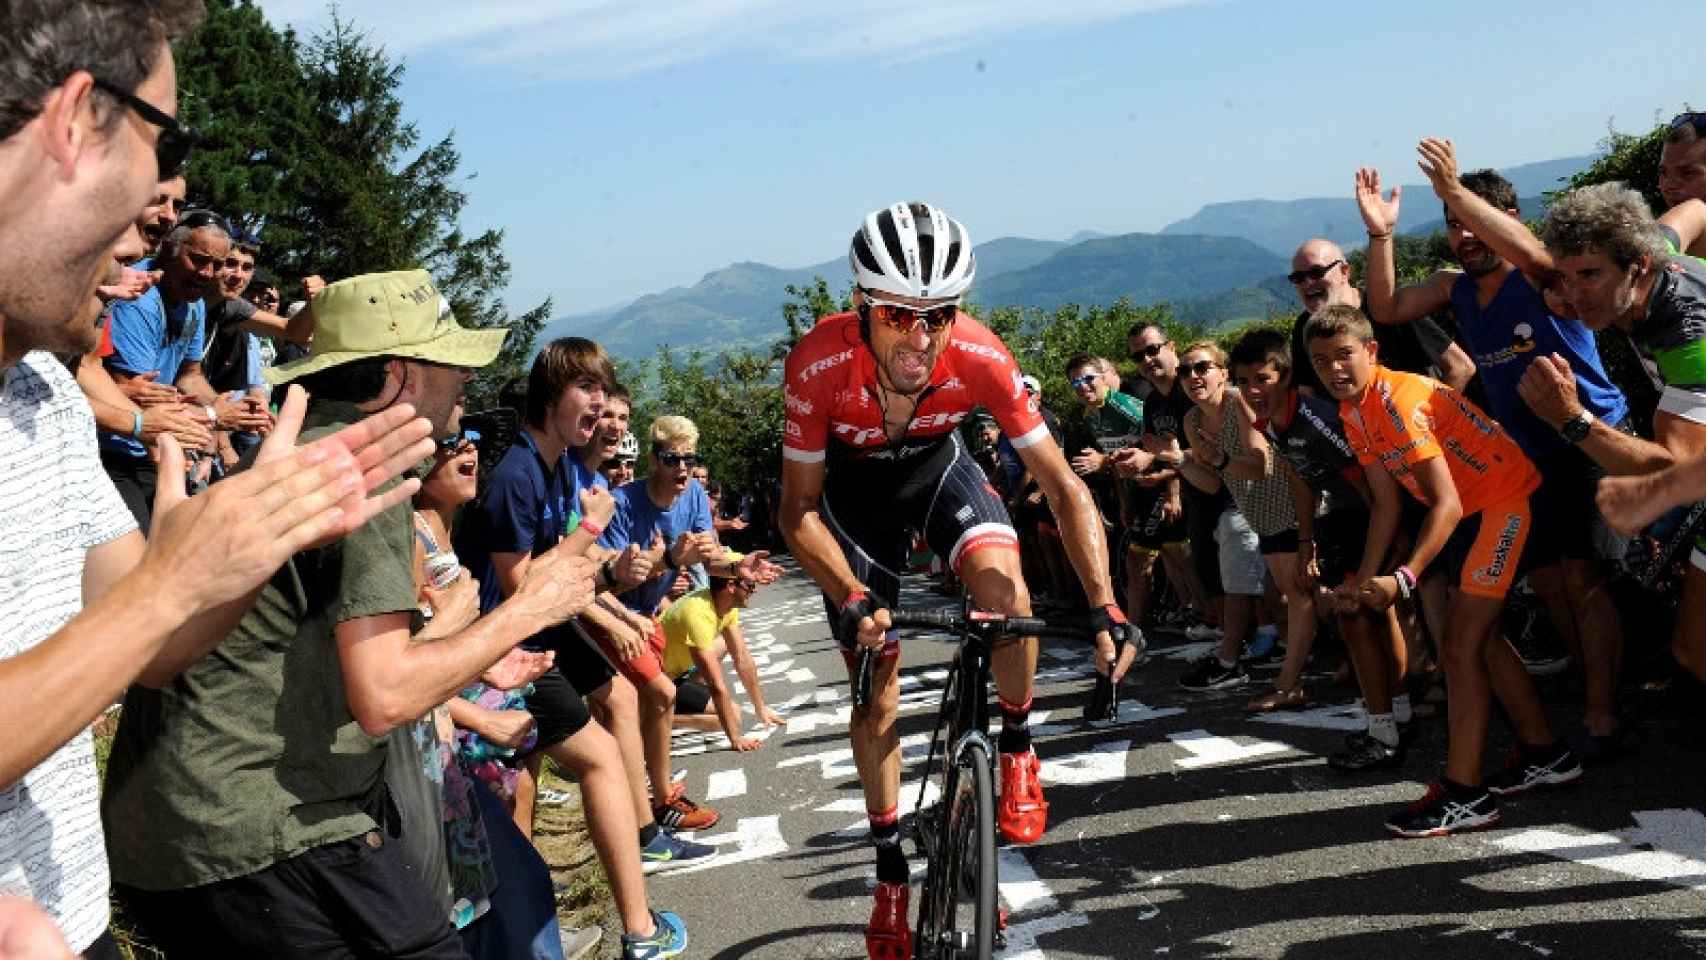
(837,764)
(801,675)
(1103,763)
(1130,711)
(1665,846)
(1348,717)
(1026,893)
(753,838)
(776,669)
(725,783)
(1208,751)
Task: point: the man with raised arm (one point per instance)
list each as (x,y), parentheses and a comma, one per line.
(1505,321)
(871,452)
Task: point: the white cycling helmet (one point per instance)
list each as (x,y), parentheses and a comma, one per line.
(913,250)
(628,448)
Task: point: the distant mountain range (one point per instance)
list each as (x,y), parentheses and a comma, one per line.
(1221,266)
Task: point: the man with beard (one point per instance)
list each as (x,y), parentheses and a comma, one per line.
(1682,177)
(871,453)
(261,774)
(158,342)
(89,606)
(1502,316)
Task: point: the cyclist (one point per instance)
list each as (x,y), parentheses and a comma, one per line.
(871,452)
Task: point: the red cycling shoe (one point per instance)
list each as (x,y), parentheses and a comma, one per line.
(1023,814)
(888,937)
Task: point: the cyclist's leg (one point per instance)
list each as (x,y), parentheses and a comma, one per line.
(966,519)
(875,555)
(1688,644)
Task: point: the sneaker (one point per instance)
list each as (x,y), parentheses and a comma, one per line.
(1595,748)
(1535,643)
(667,852)
(1277,699)
(578,941)
(1208,674)
(1526,770)
(888,936)
(680,813)
(1363,752)
(668,940)
(1203,632)
(1436,814)
(1023,814)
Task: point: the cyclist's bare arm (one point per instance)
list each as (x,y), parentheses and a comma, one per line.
(1074,512)
(811,542)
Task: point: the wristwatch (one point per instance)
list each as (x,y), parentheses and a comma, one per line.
(1576,428)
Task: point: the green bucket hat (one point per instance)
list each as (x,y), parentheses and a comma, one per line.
(388,315)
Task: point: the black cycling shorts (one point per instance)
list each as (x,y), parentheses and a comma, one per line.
(947,497)
(1149,529)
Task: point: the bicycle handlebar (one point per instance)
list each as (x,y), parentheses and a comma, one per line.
(975,622)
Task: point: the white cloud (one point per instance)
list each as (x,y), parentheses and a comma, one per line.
(619,37)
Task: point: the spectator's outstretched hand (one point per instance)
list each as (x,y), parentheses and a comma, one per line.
(558,584)
(598,506)
(130,285)
(1380,216)
(1628,503)
(518,668)
(144,391)
(757,566)
(1439,163)
(217,547)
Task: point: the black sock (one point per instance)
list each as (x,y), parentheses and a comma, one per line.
(1458,791)
(648,833)
(1015,728)
(891,860)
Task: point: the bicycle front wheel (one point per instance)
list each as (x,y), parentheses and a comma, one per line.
(969,858)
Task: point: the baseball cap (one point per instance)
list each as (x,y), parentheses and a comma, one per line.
(398,314)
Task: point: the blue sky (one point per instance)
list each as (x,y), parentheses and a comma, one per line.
(631,145)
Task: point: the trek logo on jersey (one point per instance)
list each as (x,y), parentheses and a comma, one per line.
(858,436)
(1493,573)
(827,363)
(987,351)
(796,403)
(796,431)
(1018,384)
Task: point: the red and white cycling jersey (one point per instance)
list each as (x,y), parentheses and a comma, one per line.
(830,389)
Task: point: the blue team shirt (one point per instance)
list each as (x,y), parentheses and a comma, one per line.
(151,336)
(638,518)
(525,509)
(1506,336)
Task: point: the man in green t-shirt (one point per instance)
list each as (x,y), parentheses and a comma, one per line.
(250,792)
(1115,422)
(698,630)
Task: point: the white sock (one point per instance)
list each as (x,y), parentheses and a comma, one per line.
(1401,708)
(1382,727)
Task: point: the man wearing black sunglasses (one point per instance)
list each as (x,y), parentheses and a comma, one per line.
(91,607)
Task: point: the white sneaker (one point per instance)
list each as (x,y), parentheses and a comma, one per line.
(1203,631)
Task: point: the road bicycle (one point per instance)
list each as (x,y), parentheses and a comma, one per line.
(958,911)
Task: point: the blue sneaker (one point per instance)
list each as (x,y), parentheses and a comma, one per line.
(668,940)
(667,852)
(1261,646)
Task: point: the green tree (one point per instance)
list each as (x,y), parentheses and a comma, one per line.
(310,149)
(1632,158)
(805,306)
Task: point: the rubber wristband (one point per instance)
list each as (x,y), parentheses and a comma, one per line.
(1380,236)
(1406,581)
(136,425)
(592,528)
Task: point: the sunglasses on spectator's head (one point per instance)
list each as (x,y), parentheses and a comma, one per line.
(1312,273)
(907,319)
(1087,380)
(196,219)
(673,460)
(1150,352)
(1690,118)
(1200,368)
(172,148)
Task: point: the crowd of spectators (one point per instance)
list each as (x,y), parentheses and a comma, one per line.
(1401,458)
(348,620)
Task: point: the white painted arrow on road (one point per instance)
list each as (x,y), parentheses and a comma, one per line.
(1666,846)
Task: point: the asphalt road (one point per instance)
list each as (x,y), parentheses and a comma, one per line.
(1189,830)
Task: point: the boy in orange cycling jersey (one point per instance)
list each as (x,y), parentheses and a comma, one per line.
(1415,432)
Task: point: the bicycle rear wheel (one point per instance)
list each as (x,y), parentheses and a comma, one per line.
(961,892)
